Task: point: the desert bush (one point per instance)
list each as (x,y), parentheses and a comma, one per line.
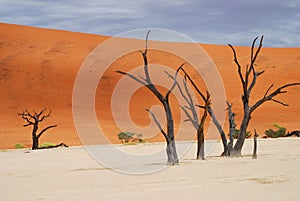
(236,134)
(130,137)
(280,132)
(19,146)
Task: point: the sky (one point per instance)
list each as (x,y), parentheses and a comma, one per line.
(205,21)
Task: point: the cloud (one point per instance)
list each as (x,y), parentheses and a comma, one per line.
(214,21)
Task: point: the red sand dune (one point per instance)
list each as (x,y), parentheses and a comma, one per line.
(39,67)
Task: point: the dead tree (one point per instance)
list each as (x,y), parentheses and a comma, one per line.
(191,113)
(34,119)
(208,110)
(200,129)
(232,126)
(164,99)
(254,156)
(248,80)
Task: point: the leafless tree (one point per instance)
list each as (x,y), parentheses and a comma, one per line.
(248,80)
(191,112)
(232,127)
(254,156)
(208,110)
(164,99)
(34,119)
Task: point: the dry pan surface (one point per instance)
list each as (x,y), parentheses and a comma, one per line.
(72,174)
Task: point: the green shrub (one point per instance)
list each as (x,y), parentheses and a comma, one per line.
(236,134)
(19,146)
(280,132)
(47,144)
(131,137)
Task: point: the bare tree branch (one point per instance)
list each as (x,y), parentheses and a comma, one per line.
(158,124)
(272,95)
(180,90)
(41,112)
(253,58)
(174,83)
(132,77)
(194,85)
(144,54)
(252,48)
(26,116)
(190,118)
(188,99)
(25,125)
(238,65)
(200,106)
(276,101)
(268,90)
(45,129)
(255,76)
(45,116)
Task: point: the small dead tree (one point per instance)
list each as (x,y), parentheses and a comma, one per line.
(248,80)
(232,126)
(254,156)
(208,109)
(34,119)
(191,112)
(164,99)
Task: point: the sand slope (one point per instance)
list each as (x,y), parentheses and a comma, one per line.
(38,68)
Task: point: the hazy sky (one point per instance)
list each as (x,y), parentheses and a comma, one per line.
(206,21)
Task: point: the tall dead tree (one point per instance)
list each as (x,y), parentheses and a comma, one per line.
(248,80)
(34,119)
(164,99)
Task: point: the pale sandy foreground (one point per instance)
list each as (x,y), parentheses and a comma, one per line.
(72,174)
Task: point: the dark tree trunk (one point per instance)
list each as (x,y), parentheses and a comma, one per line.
(200,131)
(35,139)
(176,160)
(254,156)
(220,129)
(35,143)
(237,150)
(200,145)
(171,153)
(171,147)
(232,126)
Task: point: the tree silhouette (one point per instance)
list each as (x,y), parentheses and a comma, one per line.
(164,99)
(248,80)
(34,119)
(191,112)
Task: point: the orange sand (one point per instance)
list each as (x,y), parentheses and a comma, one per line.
(39,67)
